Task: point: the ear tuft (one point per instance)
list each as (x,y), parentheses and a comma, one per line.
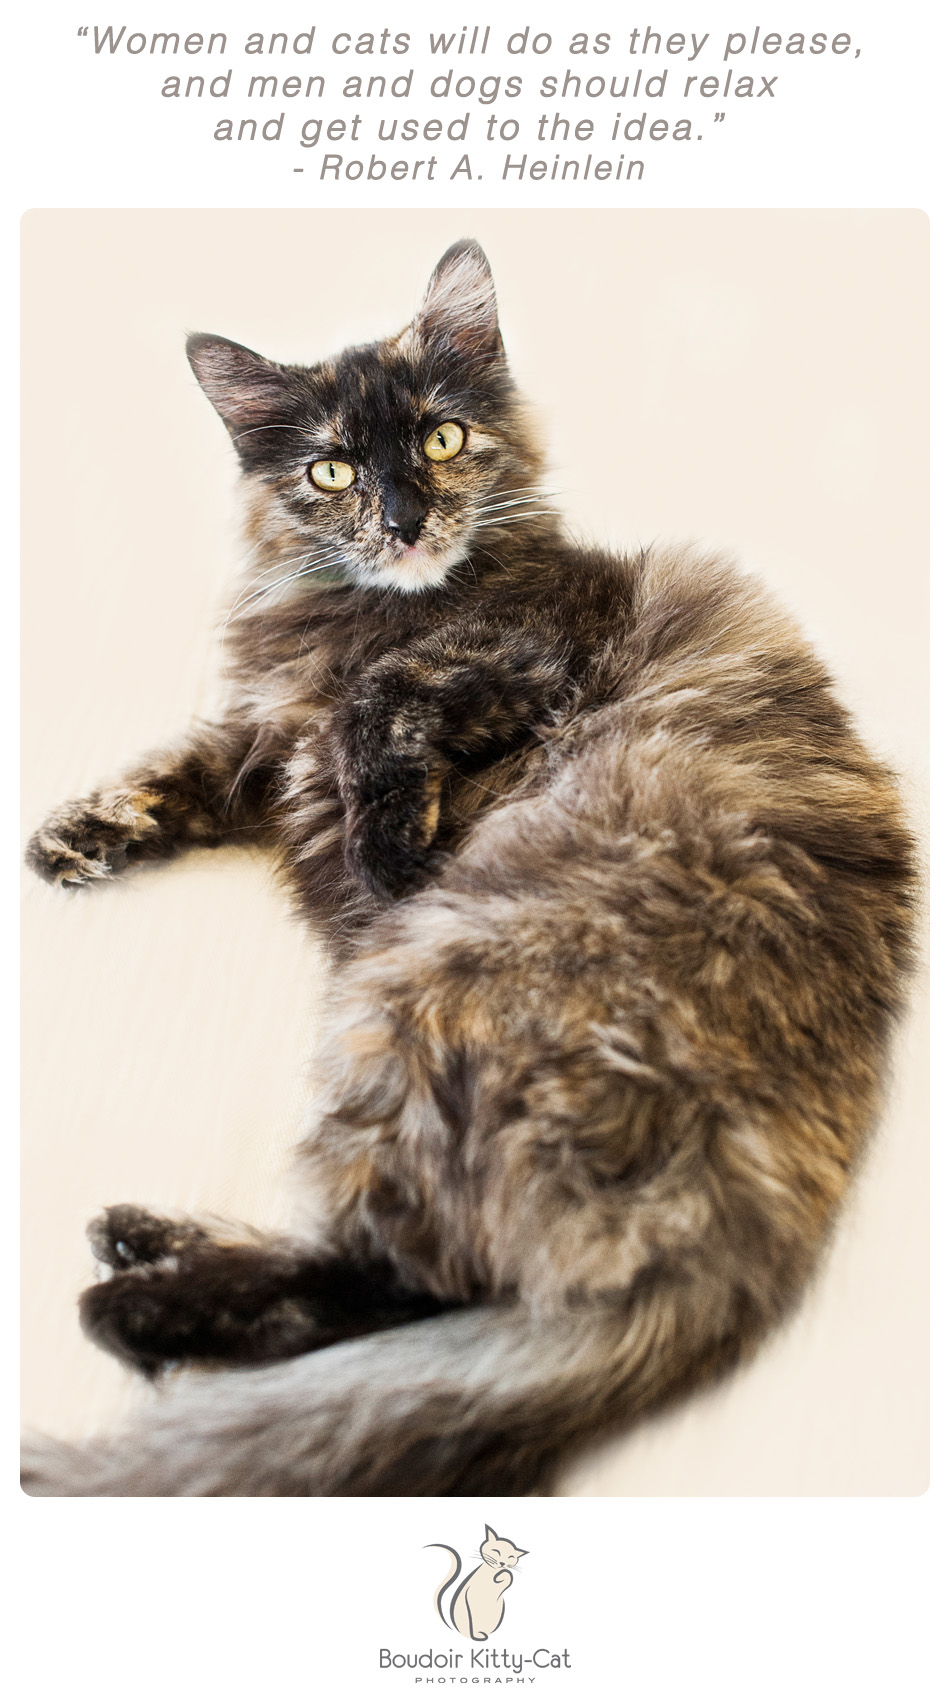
(460,309)
(246,389)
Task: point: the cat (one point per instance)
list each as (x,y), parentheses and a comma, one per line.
(621,916)
(477,1607)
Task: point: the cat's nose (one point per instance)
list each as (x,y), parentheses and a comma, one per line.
(404,512)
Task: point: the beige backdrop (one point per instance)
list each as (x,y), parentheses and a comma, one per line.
(756,380)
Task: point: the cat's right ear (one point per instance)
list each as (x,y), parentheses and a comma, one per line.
(459,313)
(247,390)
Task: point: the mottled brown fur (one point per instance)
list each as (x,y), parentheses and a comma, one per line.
(620,910)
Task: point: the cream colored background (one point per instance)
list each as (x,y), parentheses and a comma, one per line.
(753,379)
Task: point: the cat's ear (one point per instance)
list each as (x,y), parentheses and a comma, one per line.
(521,1552)
(459,312)
(246,389)
(490,1536)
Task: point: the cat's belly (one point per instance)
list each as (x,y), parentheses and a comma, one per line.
(530,1090)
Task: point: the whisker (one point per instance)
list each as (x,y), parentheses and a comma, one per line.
(522,504)
(271,568)
(275,426)
(504,566)
(310,557)
(515,514)
(514,503)
(520,493)
(288,561)
(494,521)
(517,490)
(301,573)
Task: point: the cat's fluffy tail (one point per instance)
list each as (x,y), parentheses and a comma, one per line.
(477,1401)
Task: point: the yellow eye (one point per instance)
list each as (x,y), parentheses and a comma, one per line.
(444,442)
(332,475)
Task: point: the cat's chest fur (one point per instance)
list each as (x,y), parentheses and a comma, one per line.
(291,666)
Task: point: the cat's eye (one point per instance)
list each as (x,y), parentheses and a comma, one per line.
(445,441)
(332,475)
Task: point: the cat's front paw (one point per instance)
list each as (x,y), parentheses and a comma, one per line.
(92,839)
(388,844)
(124,1237)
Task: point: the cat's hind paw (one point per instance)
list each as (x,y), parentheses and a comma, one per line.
(145,1310)
(127,1317)
(124,1236)
(92,839)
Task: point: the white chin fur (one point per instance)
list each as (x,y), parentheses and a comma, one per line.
(411,576)
(412,573)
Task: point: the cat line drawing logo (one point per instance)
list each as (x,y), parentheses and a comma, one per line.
(474,1605)
(476,1608)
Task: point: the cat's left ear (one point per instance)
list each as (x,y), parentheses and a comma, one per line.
(521,1552)
(460,312)
(490,1536)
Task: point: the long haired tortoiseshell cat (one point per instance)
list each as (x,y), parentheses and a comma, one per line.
(620,913)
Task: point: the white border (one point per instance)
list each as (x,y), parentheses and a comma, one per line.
(744,1599)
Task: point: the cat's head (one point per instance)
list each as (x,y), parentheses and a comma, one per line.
(389,462)
(500,1551)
